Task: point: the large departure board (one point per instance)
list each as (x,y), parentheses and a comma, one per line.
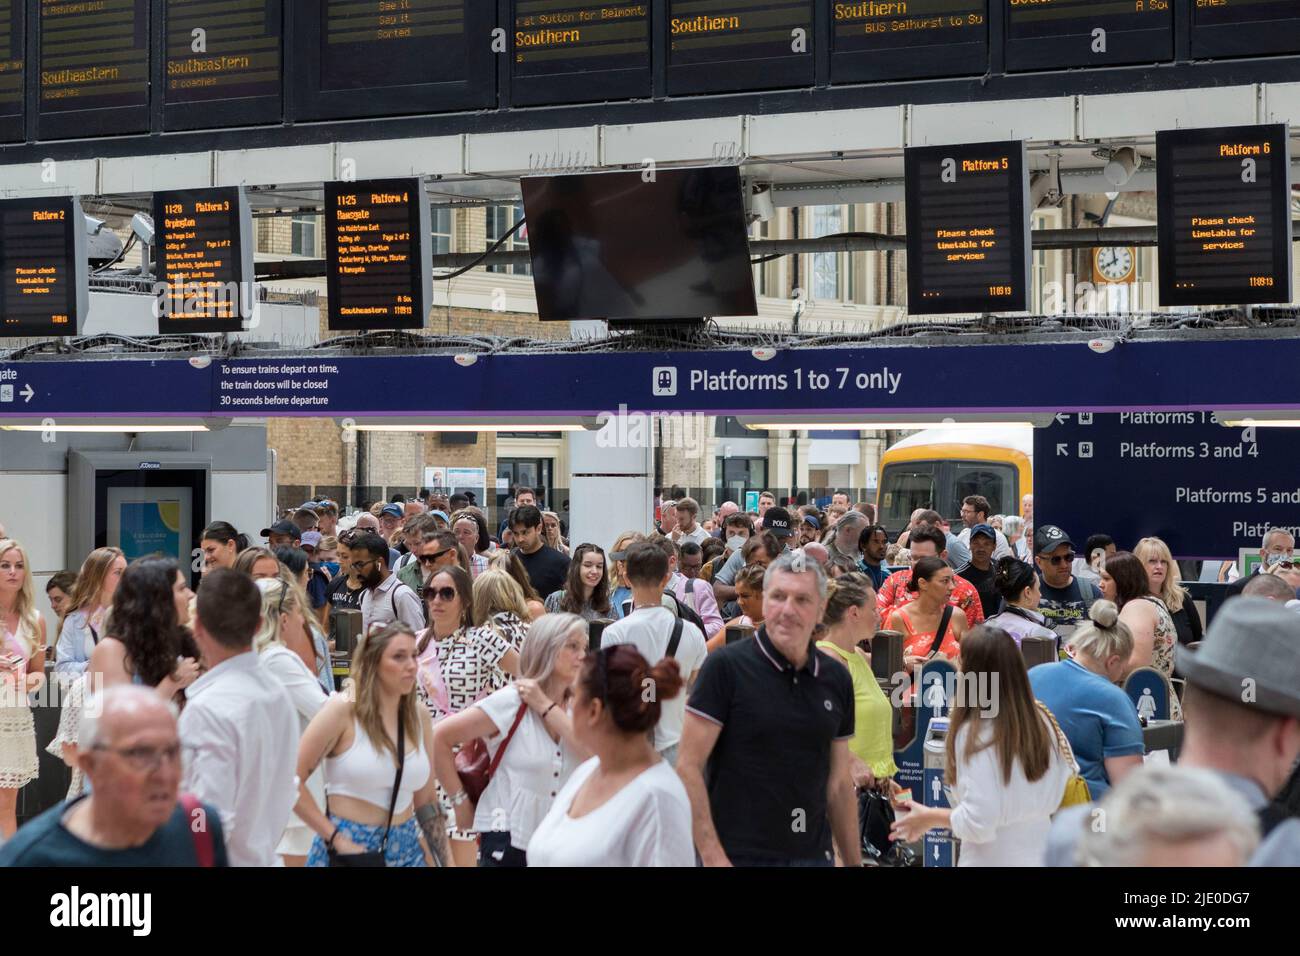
(13,35)
(44,286)
(390,57)
(377,252)
(571,51)
(904,39)
(1223,200)
(1052,34)
(967,228)
(723,45)
(94,67)
(1245,27)
(204,245)
(223,65)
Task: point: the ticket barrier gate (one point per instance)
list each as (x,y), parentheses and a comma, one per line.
(939,846)
(345,631)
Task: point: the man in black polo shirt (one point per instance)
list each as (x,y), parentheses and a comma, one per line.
(772,718)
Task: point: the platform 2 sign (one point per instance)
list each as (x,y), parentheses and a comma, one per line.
(967,228)
(43,272)
(1205,489)
(204,242)
(1223,201)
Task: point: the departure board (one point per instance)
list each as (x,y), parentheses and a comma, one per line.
(1053,34)
(905,39)
(223,63)
(967,228)
(94,67)
(1223,199)
(204,246)
(569,51)
(43,270)
(1245,27)
(377,252)
(13,19)
(724,45)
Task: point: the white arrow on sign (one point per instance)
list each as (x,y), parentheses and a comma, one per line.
(936,852)
(1062,418)
(28,392)
(1062,449)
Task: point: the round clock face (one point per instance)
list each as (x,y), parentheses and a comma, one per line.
(1115,263)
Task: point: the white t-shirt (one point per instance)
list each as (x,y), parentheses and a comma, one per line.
(529,776)
(647,823)
(649,630)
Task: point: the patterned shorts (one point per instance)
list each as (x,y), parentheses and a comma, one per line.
(404,847)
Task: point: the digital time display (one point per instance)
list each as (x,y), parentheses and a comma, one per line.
(1222,28)
(1224,206)
(1052,34)
(902,39)
(967,228)
(575,50)
(221,53)
(377,250)
(203,239)
(94,63)
(43,270)
(721,45)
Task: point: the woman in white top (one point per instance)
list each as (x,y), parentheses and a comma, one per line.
(1006,772)
(22,645)
(542,751)
(625,806)
(357,735)
(284,646)
(83,621)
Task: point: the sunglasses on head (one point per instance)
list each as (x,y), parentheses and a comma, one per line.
(445,594)
(431,558)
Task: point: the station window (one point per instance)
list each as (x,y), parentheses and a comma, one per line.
(500,220)
(304,237)
(826,266)
(442,230)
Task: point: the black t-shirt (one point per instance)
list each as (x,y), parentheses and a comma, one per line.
(343,598)
(547,569)
(768,771)
(1068,605)
(990,599)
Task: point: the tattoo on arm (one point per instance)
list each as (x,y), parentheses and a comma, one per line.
(433,824)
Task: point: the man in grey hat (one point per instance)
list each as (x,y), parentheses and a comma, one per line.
(1242,709)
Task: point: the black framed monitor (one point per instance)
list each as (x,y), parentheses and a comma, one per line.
(44,276)
(223,63)
(722,45)
(93,68)
(967,228)
(357,58)
(204,246)
(1225,28)
(1223,199)
(651,245)
(13,69)
(1055,34)
(873,40)
(574,51)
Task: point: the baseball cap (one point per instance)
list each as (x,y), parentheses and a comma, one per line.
(311,539)
(393,511)
(441,514)
(283,526)
(1048,538)
(987,531)
(777,520)
(812,520)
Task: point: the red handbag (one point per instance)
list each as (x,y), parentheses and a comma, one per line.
(474,767)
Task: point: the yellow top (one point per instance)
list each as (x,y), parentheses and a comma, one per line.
(873,716)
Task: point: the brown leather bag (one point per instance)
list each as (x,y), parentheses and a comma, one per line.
(473,766)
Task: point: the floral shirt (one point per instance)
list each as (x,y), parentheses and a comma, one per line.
(894,594)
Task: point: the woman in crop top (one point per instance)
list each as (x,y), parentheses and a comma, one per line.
(356,737)
(932,583)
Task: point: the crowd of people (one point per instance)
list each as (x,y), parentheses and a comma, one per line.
(702,692)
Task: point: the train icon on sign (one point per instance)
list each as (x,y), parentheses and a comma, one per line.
(664,380)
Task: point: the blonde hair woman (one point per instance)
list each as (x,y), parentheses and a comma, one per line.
(551,532)
(284,646)
(621,590)
(22,670)
(84,617)
(358,735)
(499,604)
(1167,584)
(506,560)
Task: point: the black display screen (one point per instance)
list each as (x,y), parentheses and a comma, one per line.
(388,57)
(94,67)
(1245,27)
(614,246)
(722,45)
(43,271)
(12,67)
(567,51)
(903,39)
(204,260)
(223,62)
(379,273)
(1051,34)
(1224,205)
(967,228)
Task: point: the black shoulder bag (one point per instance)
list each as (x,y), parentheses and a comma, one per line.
(373,858)
(939,634)
(675,639)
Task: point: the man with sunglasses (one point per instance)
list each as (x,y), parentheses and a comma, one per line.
(435,551)
(1066,599)
(130,752)
(387,598)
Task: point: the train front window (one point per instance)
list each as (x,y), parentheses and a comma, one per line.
(995,482)
(903,489)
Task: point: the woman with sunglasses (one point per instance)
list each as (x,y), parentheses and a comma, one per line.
(625,806)
(586,590)
(542,752)
(457,665)
(1124,580)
